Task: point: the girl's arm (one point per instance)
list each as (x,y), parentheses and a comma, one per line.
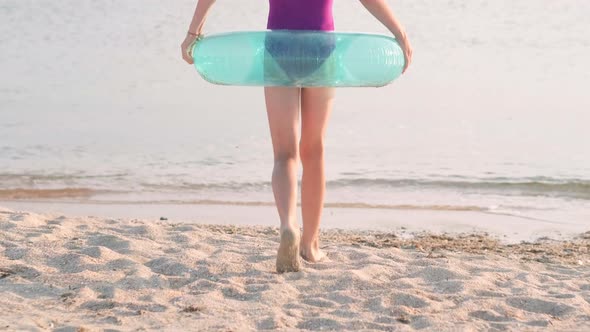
(381,11)
(195,28)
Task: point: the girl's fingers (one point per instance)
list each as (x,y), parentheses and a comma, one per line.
(187,48)
(408,57)
(408,60)
(186,53)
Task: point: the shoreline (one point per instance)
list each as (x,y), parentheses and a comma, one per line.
(508,228)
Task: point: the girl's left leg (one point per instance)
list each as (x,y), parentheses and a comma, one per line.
(316,106)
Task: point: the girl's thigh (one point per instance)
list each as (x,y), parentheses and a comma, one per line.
(282,108)
(316,106)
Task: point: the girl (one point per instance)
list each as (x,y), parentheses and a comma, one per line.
(283,105)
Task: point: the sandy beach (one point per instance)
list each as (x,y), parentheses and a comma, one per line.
(65,273)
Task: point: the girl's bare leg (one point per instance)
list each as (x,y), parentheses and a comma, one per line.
(316,106)
(282,107)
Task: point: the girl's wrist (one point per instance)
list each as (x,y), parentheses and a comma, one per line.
(197,36)
(400,35)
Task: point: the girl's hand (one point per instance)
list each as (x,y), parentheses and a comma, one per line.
(407,48)
(187,47)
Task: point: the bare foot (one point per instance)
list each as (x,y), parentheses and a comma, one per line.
(312,255)
(287,256)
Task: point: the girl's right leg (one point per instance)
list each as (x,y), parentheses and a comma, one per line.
(282,107)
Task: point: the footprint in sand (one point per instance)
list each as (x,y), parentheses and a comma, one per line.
(32,291)
(182,228)
(443,280)
(448,287)
(256,288)
(259,258)
(20,270)
(235,293)
(178,238)
(119,264)
(340,298)
(105,291)
(203,286)
(56,221)
(15,253)
(540,323)
(437,274)
(540,306)
(409,300)
(112,242)
(177,282)
(139,283)
(167,266)
(489,316)
(70,328)
(315,323)
(152,307)
(19,216)
(6,225)
(563,296)
(70,263)
(319,302)
(98,305)
(486,293)
(99,252)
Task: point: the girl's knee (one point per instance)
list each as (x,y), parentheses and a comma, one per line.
(311,150)
(286,156)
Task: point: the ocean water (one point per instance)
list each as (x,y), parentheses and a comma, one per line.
(492,116)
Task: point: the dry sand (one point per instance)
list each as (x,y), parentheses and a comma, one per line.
(60,273)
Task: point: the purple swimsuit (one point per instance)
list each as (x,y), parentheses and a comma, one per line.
(299,56)
(300,15)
